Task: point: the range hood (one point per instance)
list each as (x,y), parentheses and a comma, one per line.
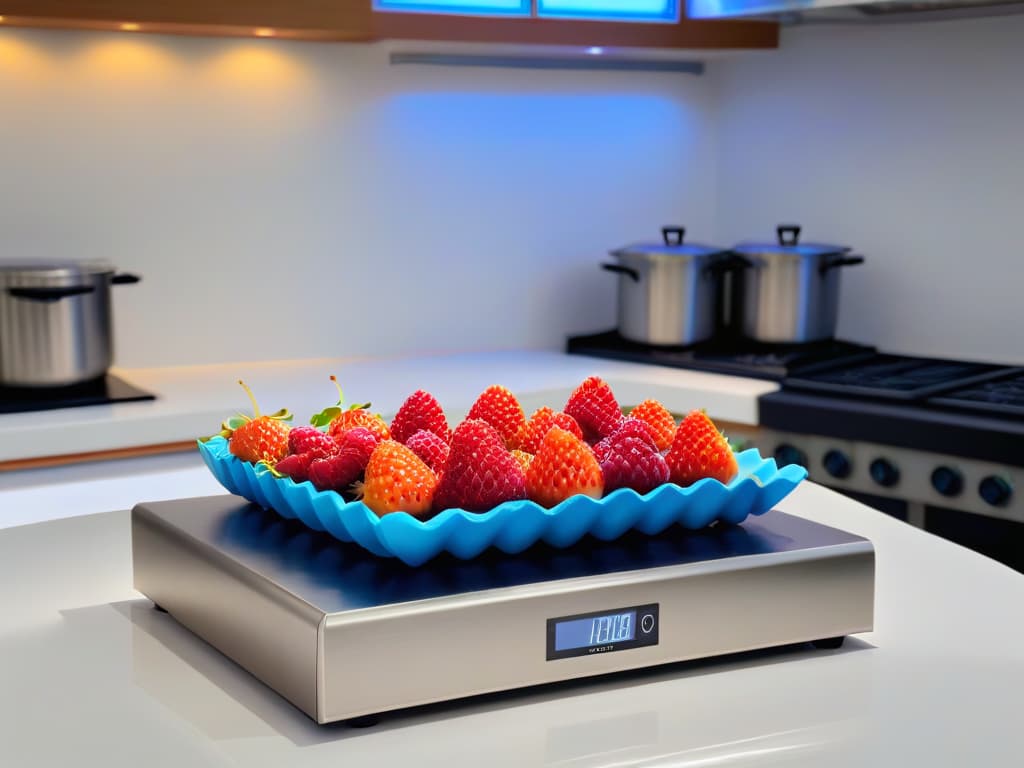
(846,11)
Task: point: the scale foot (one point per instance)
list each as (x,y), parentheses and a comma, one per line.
(366,721)
(159,607)
(828,643)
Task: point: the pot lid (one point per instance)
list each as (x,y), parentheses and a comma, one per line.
(53,268)
(672,245)
(789,242)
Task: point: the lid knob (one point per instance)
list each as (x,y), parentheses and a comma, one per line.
(789,234)
(673,235)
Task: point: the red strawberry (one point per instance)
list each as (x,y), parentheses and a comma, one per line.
(595,409)
(480,473)
(543,419)
(633,462)
(260,438)
(629,427)
(296,466)
(339,471)
(699,450)
(397,480)
(420,411)
(564,466)
(359,417)
(499,408)
(429,447)
(310,440)
(660,421)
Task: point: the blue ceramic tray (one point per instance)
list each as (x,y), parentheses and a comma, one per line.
(514,525)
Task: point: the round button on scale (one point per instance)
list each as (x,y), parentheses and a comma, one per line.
(647,623)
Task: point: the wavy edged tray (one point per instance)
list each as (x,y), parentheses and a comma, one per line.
(513,526)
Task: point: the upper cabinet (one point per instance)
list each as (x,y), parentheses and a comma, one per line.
(621,23)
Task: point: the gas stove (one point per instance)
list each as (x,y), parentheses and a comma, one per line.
(102,391)
(937,442)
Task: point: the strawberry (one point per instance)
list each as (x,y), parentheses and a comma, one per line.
(480,473)
(633,462)
(564,466)
(397,480)
(259,438)
(629,427)
(310,440)
(699,450)
(595,409)
(339,471)
(499,408)
(660,421)
(532,432)
(523,458)
(429,447)
(359,417)
(420,411)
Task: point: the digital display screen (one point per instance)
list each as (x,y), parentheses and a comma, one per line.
(585,634)
(598,630)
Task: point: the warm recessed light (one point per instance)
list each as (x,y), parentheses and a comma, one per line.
(263,32)
(1,19)
(130,27)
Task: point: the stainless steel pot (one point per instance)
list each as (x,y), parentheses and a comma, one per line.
(669,292)
(788,292)
(55,322)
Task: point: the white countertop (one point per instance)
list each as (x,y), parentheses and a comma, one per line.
(193,401)
(91,675)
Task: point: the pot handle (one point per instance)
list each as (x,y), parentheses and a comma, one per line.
(622,271)
(673,235)
(50,294)
(842,261)
(789,234)
(125,279)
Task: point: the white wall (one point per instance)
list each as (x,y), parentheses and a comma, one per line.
(906,142)
(290,200)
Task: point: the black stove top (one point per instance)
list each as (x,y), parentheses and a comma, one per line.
(730,356)
(102,391)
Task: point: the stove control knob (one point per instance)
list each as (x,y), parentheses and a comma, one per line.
(995,490)
(789,454)
(884,472)
(948,481)
(837,464)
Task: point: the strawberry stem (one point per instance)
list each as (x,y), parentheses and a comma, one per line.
(337,385)
(252,398)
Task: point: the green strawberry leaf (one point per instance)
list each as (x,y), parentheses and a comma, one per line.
(325,417)
(263,466)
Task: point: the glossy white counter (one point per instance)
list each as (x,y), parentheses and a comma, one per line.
(193,401)
(91,675)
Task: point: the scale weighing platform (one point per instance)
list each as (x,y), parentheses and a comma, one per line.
(342,634)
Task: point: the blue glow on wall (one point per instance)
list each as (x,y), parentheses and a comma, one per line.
(611,10)
(474,7)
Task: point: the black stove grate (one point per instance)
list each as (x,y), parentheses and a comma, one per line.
(102,391)
(730,356)
(999,396)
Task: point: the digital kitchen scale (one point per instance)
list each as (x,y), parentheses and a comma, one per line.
(342,634)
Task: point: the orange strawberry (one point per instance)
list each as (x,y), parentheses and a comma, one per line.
(523,458)
(359,417)
(532,432)
(260,438)
(595,408)
(397,480)
(662,425)
(699,450)
(563,467)
(499,408)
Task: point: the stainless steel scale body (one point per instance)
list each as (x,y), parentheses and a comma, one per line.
(341,633)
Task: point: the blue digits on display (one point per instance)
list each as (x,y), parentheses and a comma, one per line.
(597,630)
